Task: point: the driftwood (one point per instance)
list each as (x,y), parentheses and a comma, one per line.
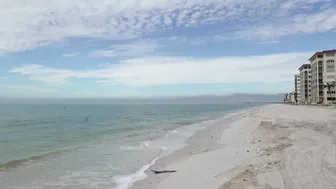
(164,171)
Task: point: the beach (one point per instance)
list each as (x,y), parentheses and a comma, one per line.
(274,147)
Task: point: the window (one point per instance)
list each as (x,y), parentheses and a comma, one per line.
(320,56)
(331,92)
(330,61)
(330,54)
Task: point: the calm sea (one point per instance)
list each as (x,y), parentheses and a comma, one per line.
(93,146)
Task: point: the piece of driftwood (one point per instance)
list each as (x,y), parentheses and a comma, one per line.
(164,171)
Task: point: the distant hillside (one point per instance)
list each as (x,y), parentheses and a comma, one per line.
(235,98)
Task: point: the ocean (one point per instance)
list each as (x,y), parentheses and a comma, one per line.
(94,146)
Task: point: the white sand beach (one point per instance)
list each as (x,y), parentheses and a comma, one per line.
(271,147)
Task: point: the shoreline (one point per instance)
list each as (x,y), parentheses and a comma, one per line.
(192,143)
(128,180)
(251,149)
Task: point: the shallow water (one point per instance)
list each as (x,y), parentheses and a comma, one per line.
(56,146)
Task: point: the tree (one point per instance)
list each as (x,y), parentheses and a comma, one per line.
(330,86)
(295,98)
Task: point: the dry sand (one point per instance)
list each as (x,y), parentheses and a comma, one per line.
(272,147)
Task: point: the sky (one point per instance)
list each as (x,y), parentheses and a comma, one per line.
(149,48)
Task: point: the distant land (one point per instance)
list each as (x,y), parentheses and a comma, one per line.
(205,99)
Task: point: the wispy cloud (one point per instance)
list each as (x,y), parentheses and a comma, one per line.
(28,26)
(138,48)
(298,24)
(181,70)
(71,54)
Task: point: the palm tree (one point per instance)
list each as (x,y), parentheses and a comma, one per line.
(330,86)
(295,97)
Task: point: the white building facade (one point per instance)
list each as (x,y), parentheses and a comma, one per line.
(297,87)
(323,71)
(292,97)
(305,84)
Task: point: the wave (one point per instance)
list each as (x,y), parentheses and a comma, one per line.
(188,122)
(20,162)
(145,144)
(170,133)
(127,181)
(130,148)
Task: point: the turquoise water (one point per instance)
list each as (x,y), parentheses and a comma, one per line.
(92,146)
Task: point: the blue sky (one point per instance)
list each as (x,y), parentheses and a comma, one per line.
(145,48)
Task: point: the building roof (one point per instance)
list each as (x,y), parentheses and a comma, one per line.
(304,65)
(326,51)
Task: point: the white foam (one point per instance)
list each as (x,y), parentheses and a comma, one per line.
(171,132)
(127,181)
(129,148)
(147,143)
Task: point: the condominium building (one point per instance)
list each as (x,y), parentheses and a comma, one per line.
(292,97)
(305,81)
(297,87)
(322,72)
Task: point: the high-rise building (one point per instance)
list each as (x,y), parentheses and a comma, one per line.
(322,72)
(292,97)
(305,83)
(297,87)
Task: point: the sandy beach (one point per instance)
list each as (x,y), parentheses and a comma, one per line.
(270,147)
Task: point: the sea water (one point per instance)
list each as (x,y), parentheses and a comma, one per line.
(93,146)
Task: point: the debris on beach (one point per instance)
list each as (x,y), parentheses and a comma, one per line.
(164,171)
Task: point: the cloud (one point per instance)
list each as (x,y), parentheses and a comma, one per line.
(178,70)
(47,75)
(298,24)
(138,48)
(26,26)
(71,54)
